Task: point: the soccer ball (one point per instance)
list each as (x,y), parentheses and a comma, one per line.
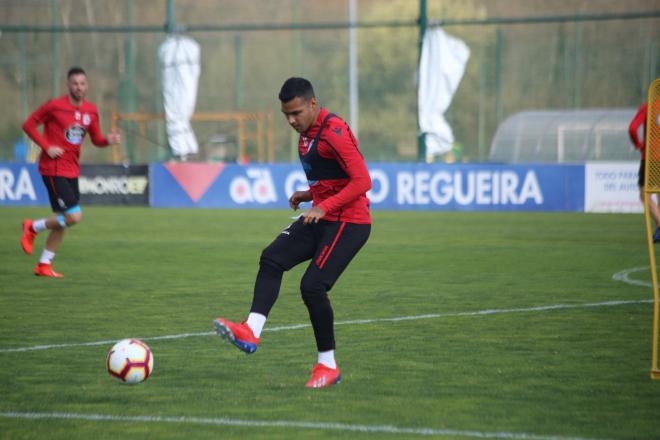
(130,361)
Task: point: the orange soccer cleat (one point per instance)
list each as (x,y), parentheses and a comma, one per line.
(238,334)
(27,240)
(46,270)
(323,377)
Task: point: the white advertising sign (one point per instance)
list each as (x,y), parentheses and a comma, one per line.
(611,187)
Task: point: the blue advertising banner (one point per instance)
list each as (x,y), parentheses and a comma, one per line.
(21,185)
(423,187)
(477,187)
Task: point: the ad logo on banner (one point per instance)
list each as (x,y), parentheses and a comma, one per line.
(612,187)
(114,185)
(480,187)
(467,189)
(257,186)
(195,178)
(16,185)
(21,185)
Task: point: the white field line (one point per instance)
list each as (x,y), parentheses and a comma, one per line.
(351,322)
(385,429)
(624,276)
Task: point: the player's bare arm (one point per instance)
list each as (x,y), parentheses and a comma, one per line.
(298,197)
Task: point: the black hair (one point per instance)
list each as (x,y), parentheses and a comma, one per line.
(75,71)
(296,87)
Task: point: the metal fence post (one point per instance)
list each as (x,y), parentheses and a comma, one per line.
(55,49)
(481,122)
(577,80)
(421,141)
(498,76)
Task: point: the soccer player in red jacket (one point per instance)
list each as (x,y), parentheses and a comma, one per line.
(66,121)
(639,120)
(330,233)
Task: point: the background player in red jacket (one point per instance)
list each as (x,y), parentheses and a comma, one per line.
(66,121)
(639,120)
(330,233)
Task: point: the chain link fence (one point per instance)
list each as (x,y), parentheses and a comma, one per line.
(525,55)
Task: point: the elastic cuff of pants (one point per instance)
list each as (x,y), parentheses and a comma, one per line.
(61,221)
(73,210)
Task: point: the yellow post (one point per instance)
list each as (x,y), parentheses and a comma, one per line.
(655,373)
(652,186)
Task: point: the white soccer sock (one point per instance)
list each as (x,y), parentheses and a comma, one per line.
(46,256)
(327,358)
(256,322)
(39,225)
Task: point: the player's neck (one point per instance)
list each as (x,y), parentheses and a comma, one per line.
(315,119)
(75,102)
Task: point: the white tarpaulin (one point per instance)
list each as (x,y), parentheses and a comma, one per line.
(441,68)
(179,60)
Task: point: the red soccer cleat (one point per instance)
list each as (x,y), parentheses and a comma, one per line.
(323,377)
(238,334)
(27,240)
(46,270)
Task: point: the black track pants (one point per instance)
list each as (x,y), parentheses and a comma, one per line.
(331,246)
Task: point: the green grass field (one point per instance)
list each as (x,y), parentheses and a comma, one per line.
(514,328)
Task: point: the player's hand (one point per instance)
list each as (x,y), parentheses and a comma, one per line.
(54,152)
(313,215)
(114,138)
(299,197)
